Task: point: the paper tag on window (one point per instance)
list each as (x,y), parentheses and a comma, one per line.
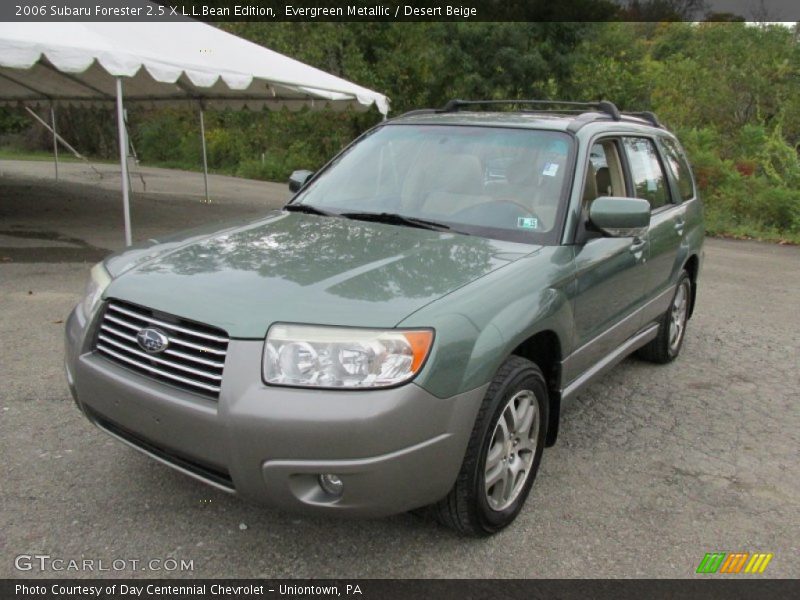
(527,222)
(550,169)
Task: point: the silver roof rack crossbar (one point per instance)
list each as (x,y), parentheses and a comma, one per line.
(603,106)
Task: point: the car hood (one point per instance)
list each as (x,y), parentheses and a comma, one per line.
(301,268)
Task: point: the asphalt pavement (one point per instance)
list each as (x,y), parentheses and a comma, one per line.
(654,466)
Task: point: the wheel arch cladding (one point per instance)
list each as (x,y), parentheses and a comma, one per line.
(692,266)
(544,349)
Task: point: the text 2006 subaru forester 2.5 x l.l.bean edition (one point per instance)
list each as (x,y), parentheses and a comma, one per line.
(407,331)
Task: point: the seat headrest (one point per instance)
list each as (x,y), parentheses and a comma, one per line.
(603,179)
(458,174)
(519,170)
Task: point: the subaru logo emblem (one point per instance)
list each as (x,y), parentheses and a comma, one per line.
(152,340)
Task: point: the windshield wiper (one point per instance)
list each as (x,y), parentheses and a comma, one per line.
(309,210)
(396,219)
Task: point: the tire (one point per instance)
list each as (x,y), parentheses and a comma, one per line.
(469,507)
(665,348)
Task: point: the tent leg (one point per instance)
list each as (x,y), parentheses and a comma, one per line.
(64,142)
(123,162)
(205,156)
(55,137)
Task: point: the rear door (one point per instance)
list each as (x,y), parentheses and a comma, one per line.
(667,221)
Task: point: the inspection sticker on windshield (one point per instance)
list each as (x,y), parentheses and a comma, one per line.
(550,169)
(527,222)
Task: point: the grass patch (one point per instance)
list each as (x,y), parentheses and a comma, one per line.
(9,153)
(15,154)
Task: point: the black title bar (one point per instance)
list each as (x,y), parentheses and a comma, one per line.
(403,10)
(380,589)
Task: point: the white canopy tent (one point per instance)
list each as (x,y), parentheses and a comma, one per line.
(157,64)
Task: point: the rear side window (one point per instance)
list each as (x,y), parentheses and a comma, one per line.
(647,173)
(679,167)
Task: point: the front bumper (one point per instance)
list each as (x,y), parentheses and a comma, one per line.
(394,449)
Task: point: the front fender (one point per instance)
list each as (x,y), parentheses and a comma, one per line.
(479,326)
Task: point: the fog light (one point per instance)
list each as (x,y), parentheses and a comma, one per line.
(331,483)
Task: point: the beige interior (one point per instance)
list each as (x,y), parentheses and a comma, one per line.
(605,181)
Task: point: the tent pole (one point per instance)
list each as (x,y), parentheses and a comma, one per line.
(205,157)
(55,137)
(123,162)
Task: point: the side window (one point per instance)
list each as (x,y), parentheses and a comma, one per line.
(598,156)
(604,176)
(648,177)
(679,167)
(597,160)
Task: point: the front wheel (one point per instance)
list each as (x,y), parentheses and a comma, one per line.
(503,453)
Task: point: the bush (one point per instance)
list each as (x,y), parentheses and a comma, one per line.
(222,147)
(278,165)
(750,188)
(160,136)
(774,208)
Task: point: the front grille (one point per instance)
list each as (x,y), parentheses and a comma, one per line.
(193,360)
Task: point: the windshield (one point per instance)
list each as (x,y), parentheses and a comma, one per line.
(488,181)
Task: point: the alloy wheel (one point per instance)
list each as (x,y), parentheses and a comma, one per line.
(678,315)
(512,450)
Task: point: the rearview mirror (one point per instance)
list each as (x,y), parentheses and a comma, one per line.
(620,217)
(298,179)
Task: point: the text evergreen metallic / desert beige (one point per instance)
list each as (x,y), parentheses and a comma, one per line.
(406,333)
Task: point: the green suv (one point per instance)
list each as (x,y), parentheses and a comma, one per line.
(409,329)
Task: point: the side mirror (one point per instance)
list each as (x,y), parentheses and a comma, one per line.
(298,179)
(620,217)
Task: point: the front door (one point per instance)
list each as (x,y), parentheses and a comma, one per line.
(612,273)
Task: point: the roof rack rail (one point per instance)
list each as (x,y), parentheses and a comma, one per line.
(603,106)
(648,116)
(419,111)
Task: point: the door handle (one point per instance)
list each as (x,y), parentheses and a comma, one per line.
(638,244)
(679,223)
(637,248)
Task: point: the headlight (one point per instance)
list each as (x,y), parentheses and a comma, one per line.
(98,282)
(343,357)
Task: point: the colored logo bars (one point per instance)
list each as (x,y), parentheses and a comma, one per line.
(720,562)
